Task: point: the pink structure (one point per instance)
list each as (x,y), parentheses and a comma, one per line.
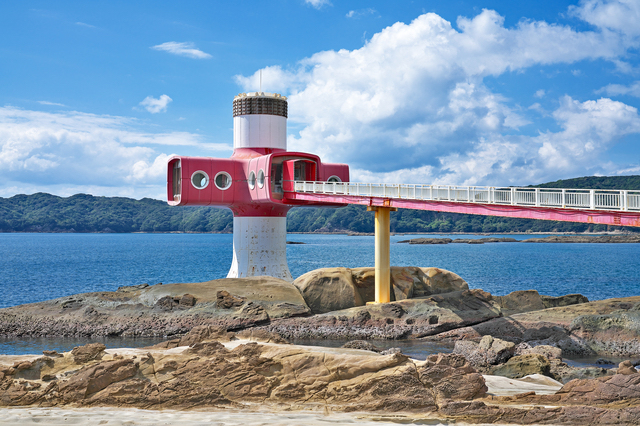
(252,183)
(603,217)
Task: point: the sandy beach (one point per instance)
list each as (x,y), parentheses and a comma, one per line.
(137,417)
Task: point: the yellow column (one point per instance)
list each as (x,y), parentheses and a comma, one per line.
(383,253)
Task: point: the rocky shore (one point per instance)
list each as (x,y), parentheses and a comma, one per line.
(213,368)
(227,347)
(602,239)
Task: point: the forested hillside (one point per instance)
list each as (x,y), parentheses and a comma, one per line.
(86,213)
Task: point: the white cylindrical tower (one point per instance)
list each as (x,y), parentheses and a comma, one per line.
(260,121)
(260,242)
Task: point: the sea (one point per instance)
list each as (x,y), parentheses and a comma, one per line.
(41,266)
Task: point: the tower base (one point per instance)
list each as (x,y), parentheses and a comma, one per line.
(260,248)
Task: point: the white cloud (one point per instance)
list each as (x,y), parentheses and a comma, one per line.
(412,101)
(617,15)
(619,89)
(187,49)
(318,3)
(539,93)
(82,24)
(361,12)
(51,103)
(154,105)
(66,153)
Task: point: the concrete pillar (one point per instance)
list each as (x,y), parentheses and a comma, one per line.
(260,248)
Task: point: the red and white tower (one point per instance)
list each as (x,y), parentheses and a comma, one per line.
(252,183)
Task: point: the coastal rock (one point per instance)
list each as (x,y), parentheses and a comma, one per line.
(564,373)
(490,351)
(226,300)
(616,333)
(605,327)
(549,352)
(209,374)
(159,310)
(586,239)
(523,365)
(530,300)
(333,289)
(328,289)
(362,345)
(83,354)
(451,377)
(410,318)
(626,368)
(214,374)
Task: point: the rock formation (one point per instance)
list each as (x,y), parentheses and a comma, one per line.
(221,369)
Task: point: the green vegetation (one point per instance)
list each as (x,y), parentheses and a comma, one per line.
(86,213)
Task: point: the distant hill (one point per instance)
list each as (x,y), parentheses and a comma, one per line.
(595,182)
(87,213)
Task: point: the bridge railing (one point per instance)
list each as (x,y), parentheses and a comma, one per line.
(590,199)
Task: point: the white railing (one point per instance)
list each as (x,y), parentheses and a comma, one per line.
(589,199)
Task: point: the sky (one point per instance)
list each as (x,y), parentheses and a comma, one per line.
(96,96)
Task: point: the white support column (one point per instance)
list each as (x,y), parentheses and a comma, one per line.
(260,248)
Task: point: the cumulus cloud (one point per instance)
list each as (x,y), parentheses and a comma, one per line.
(318,3)
(616,15)
(619,89)
(79,152)
(154,105)
(187,49)
(411,105)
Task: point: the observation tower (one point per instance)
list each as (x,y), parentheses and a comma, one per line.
(252,183)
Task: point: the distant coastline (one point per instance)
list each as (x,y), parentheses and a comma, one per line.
(83,213)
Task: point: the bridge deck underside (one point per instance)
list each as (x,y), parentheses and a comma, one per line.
(604,217)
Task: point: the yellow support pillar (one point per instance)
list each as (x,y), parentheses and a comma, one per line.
(383,253)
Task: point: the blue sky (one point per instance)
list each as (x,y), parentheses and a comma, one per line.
(94,96)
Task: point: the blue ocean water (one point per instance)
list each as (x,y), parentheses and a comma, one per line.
(37,267)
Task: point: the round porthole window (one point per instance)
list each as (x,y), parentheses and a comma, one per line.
(200,179)
(261,178)
(334,179)
(223,180)
(252,180)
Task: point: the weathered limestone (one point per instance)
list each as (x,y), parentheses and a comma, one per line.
(211,373)
(333,289)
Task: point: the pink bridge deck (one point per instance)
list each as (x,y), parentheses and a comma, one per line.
(618,218)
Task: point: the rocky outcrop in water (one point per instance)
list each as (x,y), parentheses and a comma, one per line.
(608,239)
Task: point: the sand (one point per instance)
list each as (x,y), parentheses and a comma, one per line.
(137,417)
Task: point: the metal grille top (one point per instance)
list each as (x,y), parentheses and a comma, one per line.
(260,103)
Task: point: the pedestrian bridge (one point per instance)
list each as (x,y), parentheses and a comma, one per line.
(598,206)
(607,207)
